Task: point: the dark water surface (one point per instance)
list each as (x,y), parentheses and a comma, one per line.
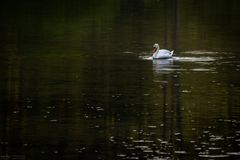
(77,81)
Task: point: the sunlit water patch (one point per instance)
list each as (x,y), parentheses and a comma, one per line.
(128,52)
(200,52)
(194,59)
(203,69)
(146,57)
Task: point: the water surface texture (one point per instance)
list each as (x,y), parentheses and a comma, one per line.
(78,82)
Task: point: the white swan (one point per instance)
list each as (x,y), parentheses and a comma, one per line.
(161,53)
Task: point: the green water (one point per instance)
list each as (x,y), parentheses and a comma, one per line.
(77,82)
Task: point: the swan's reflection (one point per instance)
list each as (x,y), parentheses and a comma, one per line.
(163,65)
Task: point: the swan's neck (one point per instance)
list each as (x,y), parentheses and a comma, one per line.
(156,52)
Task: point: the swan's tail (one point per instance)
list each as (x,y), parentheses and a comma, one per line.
(172,52)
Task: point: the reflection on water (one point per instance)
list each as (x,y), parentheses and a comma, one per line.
(163,65)
(78,82)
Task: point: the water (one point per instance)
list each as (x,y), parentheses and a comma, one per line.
(78,82)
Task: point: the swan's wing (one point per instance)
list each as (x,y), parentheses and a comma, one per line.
(164,52)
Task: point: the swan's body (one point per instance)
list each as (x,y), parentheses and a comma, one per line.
(161,53)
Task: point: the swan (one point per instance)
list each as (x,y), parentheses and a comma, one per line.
(161,53)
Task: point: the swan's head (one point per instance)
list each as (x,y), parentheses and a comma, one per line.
(155,47)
